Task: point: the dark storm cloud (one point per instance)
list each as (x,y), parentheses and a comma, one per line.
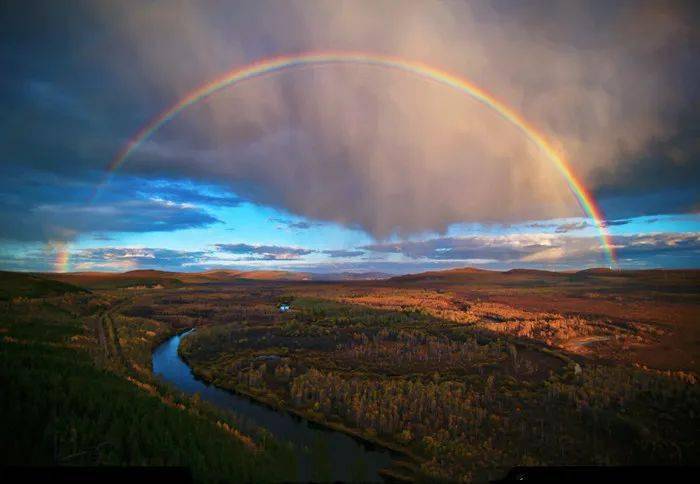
(187,193)
(654,202)
(613,85)
(66,87)
(662,180)
(608,83)
(63,221)
(42,206)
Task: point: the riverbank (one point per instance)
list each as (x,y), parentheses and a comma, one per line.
(321,452)
(409,460)
(412,461)
(68,402)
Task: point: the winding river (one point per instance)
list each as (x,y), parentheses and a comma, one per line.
(321,453)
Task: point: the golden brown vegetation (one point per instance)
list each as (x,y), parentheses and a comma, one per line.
(468,372)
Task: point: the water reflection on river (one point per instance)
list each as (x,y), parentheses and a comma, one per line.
(322,454)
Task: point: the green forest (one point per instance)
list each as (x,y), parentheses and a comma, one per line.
(65,403)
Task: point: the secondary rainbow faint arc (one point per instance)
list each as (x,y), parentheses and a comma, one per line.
(276,64)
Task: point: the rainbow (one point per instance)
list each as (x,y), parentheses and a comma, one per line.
(62,262)
(278,64)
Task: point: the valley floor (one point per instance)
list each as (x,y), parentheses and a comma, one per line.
(468,373)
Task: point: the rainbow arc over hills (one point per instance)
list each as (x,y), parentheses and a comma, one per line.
(278,64)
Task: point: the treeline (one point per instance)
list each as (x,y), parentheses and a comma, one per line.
(406,409)
(605,416)
(471,404)
(391,347)
(59,407)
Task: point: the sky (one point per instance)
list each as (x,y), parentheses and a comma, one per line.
(347,168)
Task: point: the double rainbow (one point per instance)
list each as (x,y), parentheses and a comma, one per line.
(278,64)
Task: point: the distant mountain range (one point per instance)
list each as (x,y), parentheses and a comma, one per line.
(154,278)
